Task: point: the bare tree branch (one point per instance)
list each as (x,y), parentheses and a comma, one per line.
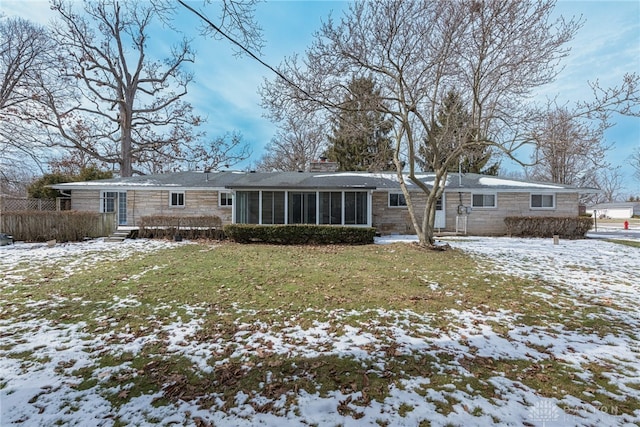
(297,142)
(125,100)
(493,53)
(25,61)
(635,162)
(568,149)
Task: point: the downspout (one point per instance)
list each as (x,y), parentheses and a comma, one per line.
(233,205)
(370,209)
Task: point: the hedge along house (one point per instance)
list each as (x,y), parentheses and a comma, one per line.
(471,203)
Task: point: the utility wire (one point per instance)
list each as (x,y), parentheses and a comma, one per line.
(262,62)
(245,49)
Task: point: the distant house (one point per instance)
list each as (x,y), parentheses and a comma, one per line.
(616,210)
(476,204)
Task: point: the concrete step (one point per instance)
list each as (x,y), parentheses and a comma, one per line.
(118,236)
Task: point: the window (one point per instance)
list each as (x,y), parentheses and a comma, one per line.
(108,201)
(331,207)
(543,201)
(397,200)
(122,208)
(248,207)
(176,199)
(273,207)
(355,207)
(302,208)
(226,199)
(483,201)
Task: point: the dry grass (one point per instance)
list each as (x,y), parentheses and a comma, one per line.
(271,288)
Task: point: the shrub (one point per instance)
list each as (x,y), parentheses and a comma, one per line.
(188,227)
(299,234)
(566,227)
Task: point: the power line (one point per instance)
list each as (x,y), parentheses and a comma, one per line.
(323,104)
(245,49)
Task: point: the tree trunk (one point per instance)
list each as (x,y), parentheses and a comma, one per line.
(126,169)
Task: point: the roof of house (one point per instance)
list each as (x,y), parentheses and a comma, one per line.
(313,181)
(174,180)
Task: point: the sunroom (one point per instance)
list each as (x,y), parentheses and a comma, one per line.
(297,206)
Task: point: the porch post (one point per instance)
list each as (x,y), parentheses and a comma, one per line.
(369,208)
(260,207)
(286,207)
(234,205)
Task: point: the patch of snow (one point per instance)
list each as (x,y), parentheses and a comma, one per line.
(497,182)
(42,389)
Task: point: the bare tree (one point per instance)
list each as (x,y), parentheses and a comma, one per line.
(235,21)
(73,162)
(14,182)
(223,152)
(609,181)
(493,53)
(569,144)
(25,62)
(295,144)
(23,57)
(128,108)
(568,149)
(623,99)
(299,139)
(635,162)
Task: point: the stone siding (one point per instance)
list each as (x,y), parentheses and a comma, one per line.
(481,221)
(490,221)
(388,220)
(85,200)
(395,220)
(156,202)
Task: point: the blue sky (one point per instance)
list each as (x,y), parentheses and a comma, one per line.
(225,90)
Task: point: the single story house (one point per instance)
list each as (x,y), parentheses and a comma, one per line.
(471,203)
(623,210)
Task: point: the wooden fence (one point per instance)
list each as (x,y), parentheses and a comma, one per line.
(12,204)
(63,226)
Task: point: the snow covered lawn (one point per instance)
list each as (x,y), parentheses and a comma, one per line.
(572,359)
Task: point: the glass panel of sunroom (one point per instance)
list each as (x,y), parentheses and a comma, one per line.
(302,208)
(331,207)
(355,207)
(247,207)
(273,207)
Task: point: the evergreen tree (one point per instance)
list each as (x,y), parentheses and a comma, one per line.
(360,139)
(39,189)
(452,128)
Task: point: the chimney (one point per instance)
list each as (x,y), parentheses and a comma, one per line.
(323,165)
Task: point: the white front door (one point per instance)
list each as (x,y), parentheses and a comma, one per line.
(122,208)
(113,201)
